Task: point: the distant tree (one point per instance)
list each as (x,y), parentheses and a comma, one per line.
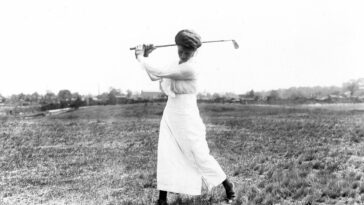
(200,96)
(298,93)
(104,98)
(89,100)
(49,97)
(17,98)
(273,95)
(250,94)
(352,86)
(64,95)
(136,94)
(114,91)
(13,98)
(112,95)
(129,93)
(76,95)
(77,102)
(35,97)
(208,96)
(21,97)
(317,92)
(215,96)
(2,99)
(26,98)
(259,96)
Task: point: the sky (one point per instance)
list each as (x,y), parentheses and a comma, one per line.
(83,45)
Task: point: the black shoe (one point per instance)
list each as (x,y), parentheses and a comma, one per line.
(230,200)
(230,193)
(162,202)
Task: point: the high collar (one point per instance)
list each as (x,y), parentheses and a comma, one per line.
(191,60)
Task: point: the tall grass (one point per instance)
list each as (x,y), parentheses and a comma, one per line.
(107,155)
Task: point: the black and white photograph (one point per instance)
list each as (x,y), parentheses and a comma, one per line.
(181,102)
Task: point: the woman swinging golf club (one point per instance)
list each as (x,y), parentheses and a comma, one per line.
(184,160)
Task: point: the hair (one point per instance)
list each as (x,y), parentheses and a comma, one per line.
(188,39)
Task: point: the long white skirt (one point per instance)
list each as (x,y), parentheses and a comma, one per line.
(184,159)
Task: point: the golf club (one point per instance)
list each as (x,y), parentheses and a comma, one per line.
(236,46)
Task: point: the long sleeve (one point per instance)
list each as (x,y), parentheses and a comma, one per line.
(165,86)
(153,77)
(177,72)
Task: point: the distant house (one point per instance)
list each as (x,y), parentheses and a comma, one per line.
(347,94)
(91,100)
(335,97)
(151,95)
(121,99)
(246,99)
(232,98)
(203,97)
(322,98)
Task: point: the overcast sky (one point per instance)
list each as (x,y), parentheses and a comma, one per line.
(84,45)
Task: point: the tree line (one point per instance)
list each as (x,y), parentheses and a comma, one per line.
(352,91)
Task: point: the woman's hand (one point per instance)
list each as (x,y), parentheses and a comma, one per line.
(139,50)
(148,49)
(144,50)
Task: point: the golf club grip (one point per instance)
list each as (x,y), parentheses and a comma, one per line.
(160,46)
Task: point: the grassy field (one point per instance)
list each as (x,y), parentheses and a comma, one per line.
(107,155)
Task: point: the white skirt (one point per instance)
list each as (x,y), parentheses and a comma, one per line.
(184,158)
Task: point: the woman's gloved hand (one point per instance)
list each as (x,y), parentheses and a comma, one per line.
(148,49)
(144,50)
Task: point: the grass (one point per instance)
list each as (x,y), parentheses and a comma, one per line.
(107,155)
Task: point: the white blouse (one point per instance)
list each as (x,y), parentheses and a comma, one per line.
(176,79)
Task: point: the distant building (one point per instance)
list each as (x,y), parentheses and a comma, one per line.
(204,98)
(120,99)
(246,99)
(151,95)
(347,94)
(322,98)
(232,98)
(335,97)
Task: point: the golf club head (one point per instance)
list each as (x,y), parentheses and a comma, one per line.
(236,45)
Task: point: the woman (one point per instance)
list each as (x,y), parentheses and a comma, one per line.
(184,160)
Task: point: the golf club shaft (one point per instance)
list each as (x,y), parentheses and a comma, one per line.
(160,46)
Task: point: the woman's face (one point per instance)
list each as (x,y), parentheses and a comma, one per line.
(185,54)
